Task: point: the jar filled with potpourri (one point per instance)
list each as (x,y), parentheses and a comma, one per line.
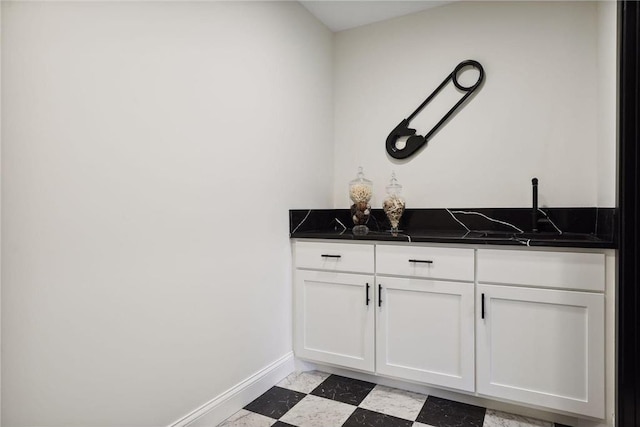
(360,192)
(393,205)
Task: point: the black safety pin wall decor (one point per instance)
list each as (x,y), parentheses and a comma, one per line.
(415,142)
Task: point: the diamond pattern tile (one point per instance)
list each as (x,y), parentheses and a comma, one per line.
(304,382)
(315,411)
(394,402)
(318,399)
(275,402)
(502,419)
(447,413)
(364,417)
(343,389)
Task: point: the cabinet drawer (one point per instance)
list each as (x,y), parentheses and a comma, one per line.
(545,269)
(420,261)
(334,256)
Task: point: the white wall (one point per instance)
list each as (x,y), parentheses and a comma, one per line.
(536,114)
(0,223)
(607,102)
(150,154)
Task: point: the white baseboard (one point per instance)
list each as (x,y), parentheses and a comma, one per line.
(231,401)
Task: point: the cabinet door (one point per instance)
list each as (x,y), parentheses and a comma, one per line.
(425,331)
(334,319)
(542,347)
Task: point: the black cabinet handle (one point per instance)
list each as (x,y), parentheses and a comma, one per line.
(421,261)
(482,306)
(330,256)
(379,295)
(367,298)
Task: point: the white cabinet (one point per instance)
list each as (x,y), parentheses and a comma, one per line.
(334,318)
(425,331)
(334,311)
(521,325)
(541,346)
(425,327)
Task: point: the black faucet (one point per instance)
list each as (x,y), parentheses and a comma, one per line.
(534,211)
(535,217)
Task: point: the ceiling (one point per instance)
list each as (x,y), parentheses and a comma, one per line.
(343,15)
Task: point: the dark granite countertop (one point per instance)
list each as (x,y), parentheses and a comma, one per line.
(567,227)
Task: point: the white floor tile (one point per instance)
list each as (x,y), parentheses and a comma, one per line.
(303,382)
(502,419)
(391,401)
(416,424)
(244,418)
(313,411)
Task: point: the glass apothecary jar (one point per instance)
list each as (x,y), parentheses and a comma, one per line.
(360,191)
(393,205)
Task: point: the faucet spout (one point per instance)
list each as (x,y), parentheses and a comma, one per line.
(534,210)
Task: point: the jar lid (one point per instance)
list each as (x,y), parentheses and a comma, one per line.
(394,187)
(361,179)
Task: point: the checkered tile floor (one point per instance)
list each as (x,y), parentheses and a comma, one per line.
(317,399)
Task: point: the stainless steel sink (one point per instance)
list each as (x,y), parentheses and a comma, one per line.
(575,237)
(544,236)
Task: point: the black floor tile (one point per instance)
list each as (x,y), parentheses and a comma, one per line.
(275,402)
(364,417)
(446,413)
(342,389)
(281,424)
(560,425)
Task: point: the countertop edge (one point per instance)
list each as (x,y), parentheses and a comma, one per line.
(407,238)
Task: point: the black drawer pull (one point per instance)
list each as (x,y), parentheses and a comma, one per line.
(330,256)
(482,307)
(379,295)
(421,261)
(367,298)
